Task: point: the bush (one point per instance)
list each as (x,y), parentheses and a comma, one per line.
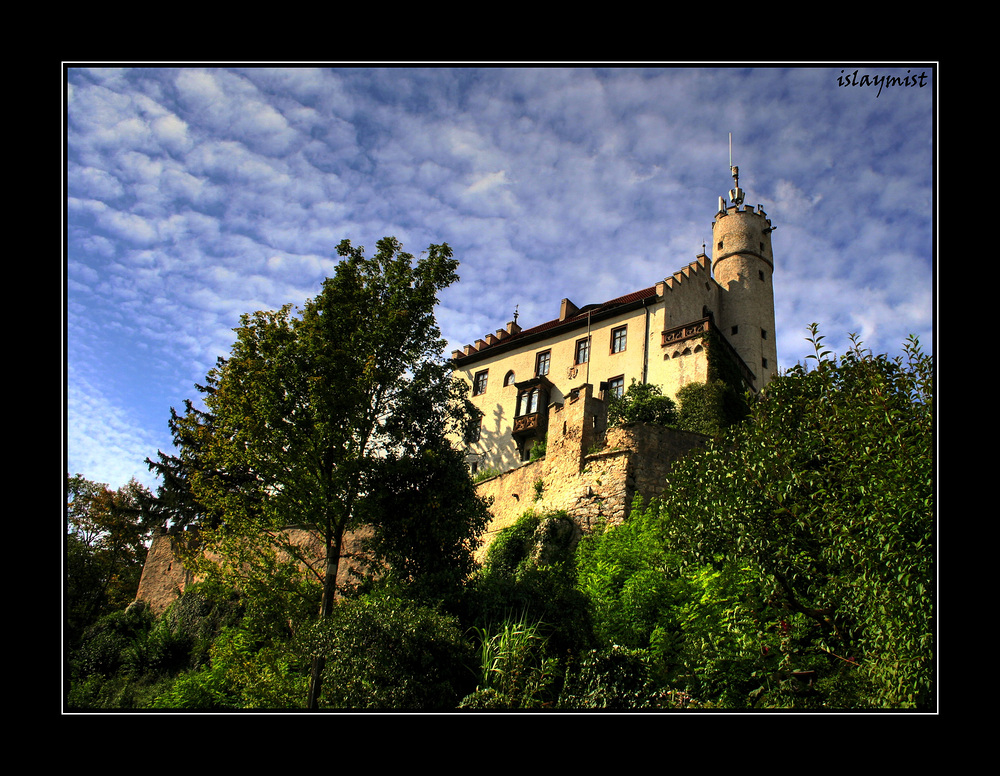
(617,679)
(642,403)
(709,408)
(383,652)
(241,674)
(833,509)
(530,574)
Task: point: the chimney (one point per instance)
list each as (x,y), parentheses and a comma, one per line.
(567,310)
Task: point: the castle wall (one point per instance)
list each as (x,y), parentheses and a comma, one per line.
(591,473)
(164,576)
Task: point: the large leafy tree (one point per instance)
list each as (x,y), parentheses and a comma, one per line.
(827,492)
(790,562)
(312,414)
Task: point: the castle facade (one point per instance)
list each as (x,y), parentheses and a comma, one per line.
(659,335)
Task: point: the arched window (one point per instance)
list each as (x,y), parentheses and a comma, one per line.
(509,378)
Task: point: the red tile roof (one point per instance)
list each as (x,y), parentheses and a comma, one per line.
(593,310)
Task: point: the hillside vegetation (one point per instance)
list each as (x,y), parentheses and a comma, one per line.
(788,565)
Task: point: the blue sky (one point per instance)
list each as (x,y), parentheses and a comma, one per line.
(195,194)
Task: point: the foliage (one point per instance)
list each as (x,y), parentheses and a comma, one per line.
(106,533)
(310,415)
(514,672)
(530,570)
(485,474)
(630,580)
(175,501)
(426,519)
(241,674)
(642,403)
(198,616)
(826,493)
(120,658)
(617,678)
(206,651)
(384,652)
(709,408)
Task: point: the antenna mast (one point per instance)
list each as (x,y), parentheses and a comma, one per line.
(736,193)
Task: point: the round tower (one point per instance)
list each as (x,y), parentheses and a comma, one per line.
(742,264)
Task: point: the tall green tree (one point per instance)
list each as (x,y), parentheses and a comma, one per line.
(310,411)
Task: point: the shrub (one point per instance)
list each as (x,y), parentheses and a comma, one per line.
(642,403)
(384,652)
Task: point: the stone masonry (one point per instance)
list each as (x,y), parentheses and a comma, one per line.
(590,471)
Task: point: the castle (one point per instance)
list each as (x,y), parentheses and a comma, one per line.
(538,384)
(656,335)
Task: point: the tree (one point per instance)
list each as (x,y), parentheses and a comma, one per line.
(642,403)
(106,532)
(827,492)
(421,518)
(309,413)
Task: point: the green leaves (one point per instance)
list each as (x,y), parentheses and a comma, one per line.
(799,543)
(832,498)
(642,403)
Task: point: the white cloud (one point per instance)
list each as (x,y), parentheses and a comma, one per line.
(199,194)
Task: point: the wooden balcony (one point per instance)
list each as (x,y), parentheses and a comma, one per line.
(527,425)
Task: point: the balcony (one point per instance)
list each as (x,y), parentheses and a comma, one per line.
(527,425)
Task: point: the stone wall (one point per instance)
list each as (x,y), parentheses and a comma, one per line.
(164,576)
(591,472)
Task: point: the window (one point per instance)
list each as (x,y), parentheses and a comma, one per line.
(763,333)
(527,402)
(616,387)
(618,339)
(474,431)
(735,330)
(530,401)
(582,351)
(509,379)
(542,363)
(479,382)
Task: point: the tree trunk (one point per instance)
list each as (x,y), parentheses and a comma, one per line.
(334,544)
